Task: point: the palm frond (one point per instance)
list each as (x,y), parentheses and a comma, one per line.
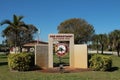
(20,17)
(16,19)
(7,30)
(6,22)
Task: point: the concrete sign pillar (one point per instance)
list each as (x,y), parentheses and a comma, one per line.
(60,37)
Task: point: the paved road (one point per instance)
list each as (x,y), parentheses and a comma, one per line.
(2,53)
(105,52)
(89,51)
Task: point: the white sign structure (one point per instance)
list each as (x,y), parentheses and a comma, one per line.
(77,53)
(60,37)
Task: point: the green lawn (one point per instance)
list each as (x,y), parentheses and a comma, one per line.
(64,60)
(5,74)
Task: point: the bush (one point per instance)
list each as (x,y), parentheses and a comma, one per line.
(21,61)
(100,62)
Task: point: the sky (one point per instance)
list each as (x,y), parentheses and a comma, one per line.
(46,15)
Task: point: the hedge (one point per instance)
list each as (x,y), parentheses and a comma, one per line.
(21,61)
(100,62)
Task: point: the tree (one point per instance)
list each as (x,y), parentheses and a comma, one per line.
(82,30)
(95,41)
(4,47)
(17,32)
(114,37)
(103,40)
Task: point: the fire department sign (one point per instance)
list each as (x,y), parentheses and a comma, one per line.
(61,37)
(61,49)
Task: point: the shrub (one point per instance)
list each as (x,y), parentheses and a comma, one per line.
(21,61)
(100,62)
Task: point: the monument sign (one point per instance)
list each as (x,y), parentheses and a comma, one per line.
(77,53)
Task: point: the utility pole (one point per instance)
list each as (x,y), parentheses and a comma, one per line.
(38,33)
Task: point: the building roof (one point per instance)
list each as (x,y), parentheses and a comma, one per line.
(33,43)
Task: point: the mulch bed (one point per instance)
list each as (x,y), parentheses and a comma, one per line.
(64,70)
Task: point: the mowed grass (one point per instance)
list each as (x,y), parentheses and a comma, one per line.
(6,74)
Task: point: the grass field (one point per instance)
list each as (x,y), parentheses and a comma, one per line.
(6,74)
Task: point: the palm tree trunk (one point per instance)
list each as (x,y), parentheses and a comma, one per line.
(102,49)
(97,46)
(118,50)
(20,49)
(15,46)
(118,53)
(15,41)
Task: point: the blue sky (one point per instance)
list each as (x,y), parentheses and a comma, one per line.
(46,15)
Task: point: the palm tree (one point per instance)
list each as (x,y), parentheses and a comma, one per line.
(103,40)
(13,29)
(114,37)
(95,40)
